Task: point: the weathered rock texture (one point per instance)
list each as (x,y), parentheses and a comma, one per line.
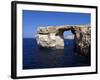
(82,40)
(52,37)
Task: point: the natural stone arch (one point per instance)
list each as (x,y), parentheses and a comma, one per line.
(52,37)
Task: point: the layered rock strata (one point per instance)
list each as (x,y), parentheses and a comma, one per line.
(52,37)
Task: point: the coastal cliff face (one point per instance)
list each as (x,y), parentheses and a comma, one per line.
(52,37)
(82,40)
(47,38)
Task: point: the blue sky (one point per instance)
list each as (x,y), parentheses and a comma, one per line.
(33,19)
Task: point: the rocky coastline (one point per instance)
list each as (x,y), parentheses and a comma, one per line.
(52,37)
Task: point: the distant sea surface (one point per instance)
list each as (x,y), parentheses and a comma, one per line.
(36,58)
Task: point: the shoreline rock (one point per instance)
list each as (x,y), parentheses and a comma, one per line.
(52,37)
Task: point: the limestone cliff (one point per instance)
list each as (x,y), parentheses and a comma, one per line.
(82,40)
(52,37)
(48,38)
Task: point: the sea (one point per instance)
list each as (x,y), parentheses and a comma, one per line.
(38,58)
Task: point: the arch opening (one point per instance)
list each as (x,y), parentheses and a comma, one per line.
(55,38)
(68,40)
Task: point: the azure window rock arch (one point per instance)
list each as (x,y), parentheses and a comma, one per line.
(52,37)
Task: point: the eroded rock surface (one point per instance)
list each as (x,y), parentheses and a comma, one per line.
(48,38)
(82,40)
(52,37)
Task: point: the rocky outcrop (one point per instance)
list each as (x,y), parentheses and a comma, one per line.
(48,38)
(82,40)
(52,37)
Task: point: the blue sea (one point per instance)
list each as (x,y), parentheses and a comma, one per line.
(37,58)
